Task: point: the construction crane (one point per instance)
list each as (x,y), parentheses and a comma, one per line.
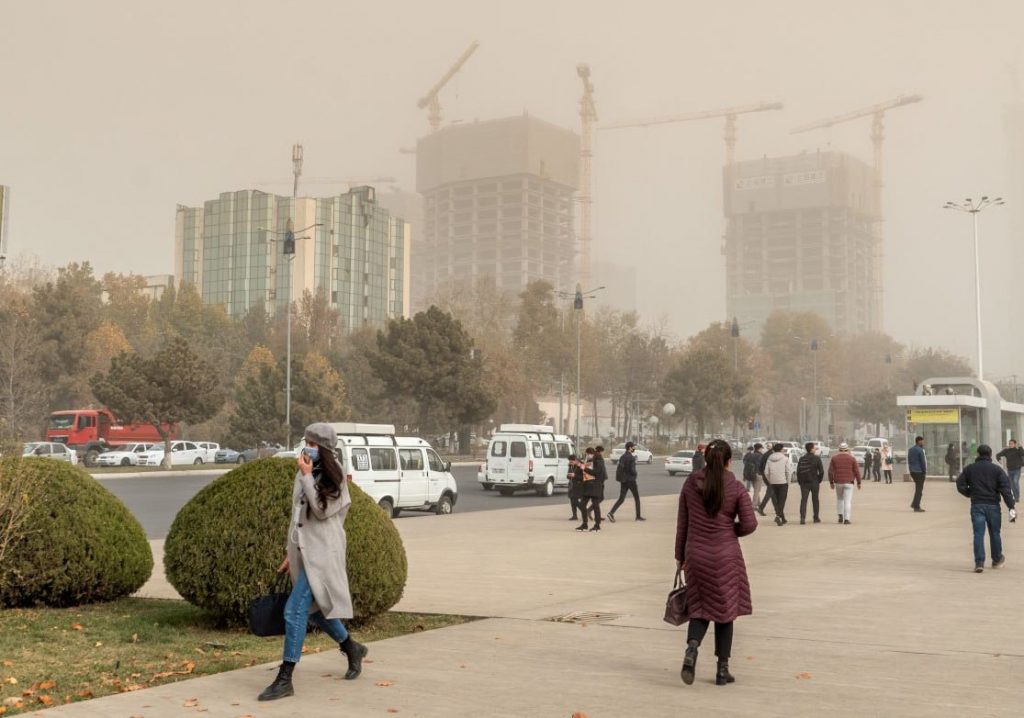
(877,112)
(729,113)
(333,180)
(430,101)
(588,116)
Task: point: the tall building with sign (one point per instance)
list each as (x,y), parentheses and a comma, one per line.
(357,256)
(803,235)
(498,201)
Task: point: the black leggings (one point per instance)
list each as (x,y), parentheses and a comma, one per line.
(723,635)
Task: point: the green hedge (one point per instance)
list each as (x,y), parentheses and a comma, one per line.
(78,544)
(226,543)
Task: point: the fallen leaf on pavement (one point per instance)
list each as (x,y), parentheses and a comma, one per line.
(84,694)
(76,626)
(579,714)
(45,700)
(803,676)
(47,685)
(99,643)
(384,684)
(367,660)
(11,681)
(392,710)
(191,703)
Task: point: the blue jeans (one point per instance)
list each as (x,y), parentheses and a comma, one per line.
(982,516)
(297,618)
(1015,483)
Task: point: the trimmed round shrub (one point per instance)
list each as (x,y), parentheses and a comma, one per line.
(225,544)
(74,542)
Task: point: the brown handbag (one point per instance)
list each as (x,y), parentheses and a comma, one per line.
(676,611)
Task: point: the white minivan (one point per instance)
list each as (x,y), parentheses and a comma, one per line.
(526,457)
(400,473)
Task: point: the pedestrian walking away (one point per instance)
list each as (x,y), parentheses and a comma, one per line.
(984,482)
(887,463)
(1013,455)
(777,473)
(698,459)
(869,461)
(843,473)
(750,468)
(316,547)
(762,457)
(917,464)
(876,465)
(952,459)
(809,474)
(575,487)
(626,475)
(593,488)
(714,512)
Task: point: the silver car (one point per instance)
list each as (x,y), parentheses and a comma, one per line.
(49,450)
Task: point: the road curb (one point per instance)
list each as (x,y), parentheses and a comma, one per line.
(160,474)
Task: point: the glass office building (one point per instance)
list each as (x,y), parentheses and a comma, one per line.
(356,255)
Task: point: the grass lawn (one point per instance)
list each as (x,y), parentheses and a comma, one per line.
(51,656)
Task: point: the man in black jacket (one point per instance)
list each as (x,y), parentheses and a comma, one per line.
(983,482)
(1014,456)
(625,474)
(593,488)
(809,473)
(749,468)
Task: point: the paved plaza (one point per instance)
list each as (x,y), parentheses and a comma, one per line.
(880,618)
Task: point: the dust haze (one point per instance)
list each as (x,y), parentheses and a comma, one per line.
(114,112)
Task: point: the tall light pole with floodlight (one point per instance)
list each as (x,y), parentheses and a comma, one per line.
(974,208)
(577,304)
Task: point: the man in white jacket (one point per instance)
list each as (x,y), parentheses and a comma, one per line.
(777,473)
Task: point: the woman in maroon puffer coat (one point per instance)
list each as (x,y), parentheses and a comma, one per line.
(714,511)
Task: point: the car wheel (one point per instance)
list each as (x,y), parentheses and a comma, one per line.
(650,460)
(197,461)
(488,487)
(126,461)
(444,506)
(388,506)
(241,460)
(91,456)
(548,489)
(506,492)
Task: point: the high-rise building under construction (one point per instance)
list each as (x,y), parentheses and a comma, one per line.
(804,235)
(498,201)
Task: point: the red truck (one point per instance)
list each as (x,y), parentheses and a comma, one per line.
(90,432)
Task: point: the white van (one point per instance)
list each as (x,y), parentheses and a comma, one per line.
(400,473)
(526,457)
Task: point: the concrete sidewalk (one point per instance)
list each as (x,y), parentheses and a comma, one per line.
(883,617)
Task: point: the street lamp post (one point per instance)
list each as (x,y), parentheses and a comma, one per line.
(817,410)
(577,304)
(974,208)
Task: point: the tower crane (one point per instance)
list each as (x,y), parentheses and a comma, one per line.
(588,116)
(877,113)
(729,113)
(430,102)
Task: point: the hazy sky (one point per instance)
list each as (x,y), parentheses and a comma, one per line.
(112,112)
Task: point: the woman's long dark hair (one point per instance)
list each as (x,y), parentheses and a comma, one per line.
(717,454)
(330,480)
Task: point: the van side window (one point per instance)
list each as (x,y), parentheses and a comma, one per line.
(549,450)
(536,451)
(383,459)
(564,452)
(360,460)
(435,461)
(518,450)
(499,448)
(411,459)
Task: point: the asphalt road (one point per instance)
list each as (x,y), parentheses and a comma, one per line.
(155,500)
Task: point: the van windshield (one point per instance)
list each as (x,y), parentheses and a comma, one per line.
(62,421)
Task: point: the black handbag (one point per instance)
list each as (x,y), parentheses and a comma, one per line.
(266,613)
(676,611)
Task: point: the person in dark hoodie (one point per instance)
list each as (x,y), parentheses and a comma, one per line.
(749,468)
(809,474)
(984,482)
(625,474)
(698,459)
(575,486)
(593,488)
(1014,456)
(868,463)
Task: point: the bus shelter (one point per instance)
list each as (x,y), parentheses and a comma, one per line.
(959,413)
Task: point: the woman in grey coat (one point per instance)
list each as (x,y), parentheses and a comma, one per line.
(316,559)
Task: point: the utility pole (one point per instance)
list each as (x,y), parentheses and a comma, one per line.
(577,303)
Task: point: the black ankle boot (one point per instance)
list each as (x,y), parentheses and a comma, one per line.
(282,685)
(356,652)
(723,676)
(689,663)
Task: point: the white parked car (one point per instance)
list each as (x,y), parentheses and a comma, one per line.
(127,455)
(643,454)
(182,453)
(210,450)
(680,462)
(49,450)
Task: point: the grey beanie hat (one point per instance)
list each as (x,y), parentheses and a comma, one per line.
(322,434)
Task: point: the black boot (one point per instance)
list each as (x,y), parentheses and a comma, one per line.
(356,652)
(840,518)
(689,663)
(282,685)
(723,676)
